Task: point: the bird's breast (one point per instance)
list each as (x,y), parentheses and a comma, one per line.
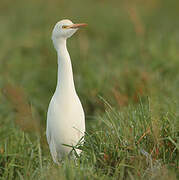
(65,111)
(66,119)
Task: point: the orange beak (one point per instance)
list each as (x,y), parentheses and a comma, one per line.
(74,26)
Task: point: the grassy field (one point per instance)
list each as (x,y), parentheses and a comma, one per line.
(126,71)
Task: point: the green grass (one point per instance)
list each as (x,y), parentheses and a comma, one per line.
(126,72)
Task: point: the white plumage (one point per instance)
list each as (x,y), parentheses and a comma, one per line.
(65,117)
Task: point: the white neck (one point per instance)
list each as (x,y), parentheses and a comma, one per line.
(65,81)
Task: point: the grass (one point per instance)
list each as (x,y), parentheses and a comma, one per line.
(126,74)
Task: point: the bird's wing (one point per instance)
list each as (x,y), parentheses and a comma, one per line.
(52,146)
(48,135)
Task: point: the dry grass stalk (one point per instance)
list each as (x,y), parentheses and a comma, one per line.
(24,118)
(135,19)
(121,99)
(145,133)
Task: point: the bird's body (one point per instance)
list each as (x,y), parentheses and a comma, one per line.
(65,117)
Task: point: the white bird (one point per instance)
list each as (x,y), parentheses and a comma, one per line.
(65,116)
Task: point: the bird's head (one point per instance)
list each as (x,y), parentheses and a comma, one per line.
(65,29)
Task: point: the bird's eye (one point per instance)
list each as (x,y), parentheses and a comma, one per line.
(64,26)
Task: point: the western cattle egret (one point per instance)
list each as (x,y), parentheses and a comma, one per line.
(65,116)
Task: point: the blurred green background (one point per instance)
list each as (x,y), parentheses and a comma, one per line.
(130,49)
